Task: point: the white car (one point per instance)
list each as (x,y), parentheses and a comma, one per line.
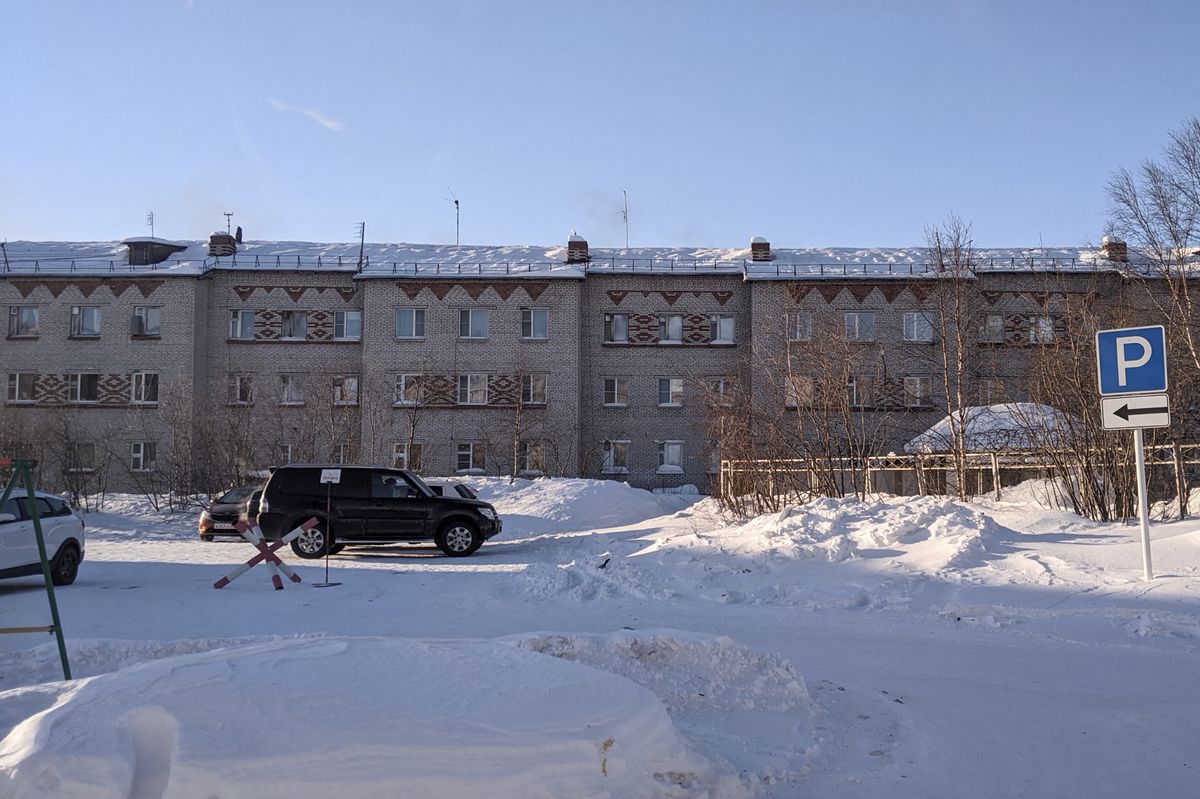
(62,530)
(448,488)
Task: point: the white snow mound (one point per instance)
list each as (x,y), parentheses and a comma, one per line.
(559,505)
(285,719)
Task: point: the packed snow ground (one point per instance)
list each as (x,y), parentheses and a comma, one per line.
(613,642)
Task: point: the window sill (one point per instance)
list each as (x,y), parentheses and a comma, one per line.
(473,338)
(410,338)
(670,404)
(239,404)
(291,405)
(146,337)
(471,404)
(244,340)
(84,338)
(670,342)
(23,337)
(19,403)
(624,343)
(405,404)
(616,405)
(346,340)
(669,470)
(144,403)
(535,338)
(293,339)
(345,404)
(473,470)
(723,342)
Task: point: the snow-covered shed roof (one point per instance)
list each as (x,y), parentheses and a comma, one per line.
(994,428)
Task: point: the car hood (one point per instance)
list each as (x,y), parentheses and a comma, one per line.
(474,503)
(225,508)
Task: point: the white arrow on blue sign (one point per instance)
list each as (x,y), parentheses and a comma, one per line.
(1132,360)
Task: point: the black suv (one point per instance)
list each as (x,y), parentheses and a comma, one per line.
(369,505)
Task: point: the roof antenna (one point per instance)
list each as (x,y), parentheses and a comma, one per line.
(150,222)
(228,216)
(453,198)
(625,216)
(362,239)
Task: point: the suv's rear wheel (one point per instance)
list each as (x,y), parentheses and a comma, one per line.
(312,543)
(65,565)
(458,538)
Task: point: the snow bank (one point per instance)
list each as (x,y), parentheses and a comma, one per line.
(353,717)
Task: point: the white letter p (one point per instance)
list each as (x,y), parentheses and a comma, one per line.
(1123,363)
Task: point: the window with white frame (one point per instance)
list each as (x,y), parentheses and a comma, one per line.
(799,325)
(992,331)
(408,390)
(142,456)
(85,321)
(241,389)
(145,388)
(531,457)
(285,453)
(410,323)
(345,390)
(1041,329)
(616,328)
(860,325)
(616,391)
(469,456)
(918,326)
(407,456)
(241,325)
(991,391)
(720,391)
(81,456)
(291,389)
(860,390)
(347,325)
(83,387)
(147,321)
(345,453)
(720,328)
(293,325)
(670,328)
(472,389)
(918,391)
(22,320)
(798,391)
(670,457)
(535,323)
(21,386)
(472,322)
(670,391)
(533,389)
(616,457)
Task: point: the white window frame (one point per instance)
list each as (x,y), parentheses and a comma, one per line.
(615,395)
(530,324)
(614,324)
(533,389)
(85,321)
(1041,329)
(992,331)
(799,325)
(76,463)
(75,388)
(473,389)
(140,385)
(860,391)
(285,452)
(14,388)
(406,383)
(531,457)
(918,391)
(349,323)
(616,457)
(402,456)
(345,390)
(241,324)
(19,321)
(143,456)
(859,325)
(718,325)
(473,323)
(672,389)
(670,457)
(151,320)
(289,321)
(918,327)
(670,328)
(415,329)
(346,453)
(241,389)
(476,455)
(291,389)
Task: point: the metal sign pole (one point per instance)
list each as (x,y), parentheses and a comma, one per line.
(1139,450)
(328,477)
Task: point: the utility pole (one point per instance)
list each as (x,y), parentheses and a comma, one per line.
(454,199)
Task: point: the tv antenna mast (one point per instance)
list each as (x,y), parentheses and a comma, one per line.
(453,198)
(228,216)
(362,239)
(150,222)
(625,216)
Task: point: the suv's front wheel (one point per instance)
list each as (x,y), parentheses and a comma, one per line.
(458,538)
(312,543)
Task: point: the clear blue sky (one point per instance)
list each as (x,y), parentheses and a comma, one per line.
(809,123)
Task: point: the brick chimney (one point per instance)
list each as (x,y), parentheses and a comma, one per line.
(760,249)
(221,244)
(1114,249)
(577,249)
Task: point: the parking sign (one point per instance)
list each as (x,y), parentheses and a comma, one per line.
(1132,360)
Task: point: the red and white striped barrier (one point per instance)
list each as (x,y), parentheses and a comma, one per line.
(266,552)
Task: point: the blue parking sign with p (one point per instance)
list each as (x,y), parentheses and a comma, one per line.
(1132,360)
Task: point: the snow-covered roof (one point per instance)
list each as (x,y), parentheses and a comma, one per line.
(448,260)
(994,428)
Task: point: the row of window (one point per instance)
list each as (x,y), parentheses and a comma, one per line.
(81,456)
(410,324)
(83,387)
(670,328)
(408,389)
(669,393)
(917,326)
(23,321)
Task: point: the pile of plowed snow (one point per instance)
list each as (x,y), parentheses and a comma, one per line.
(353,717)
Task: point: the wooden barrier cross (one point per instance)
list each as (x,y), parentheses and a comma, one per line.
(266,553)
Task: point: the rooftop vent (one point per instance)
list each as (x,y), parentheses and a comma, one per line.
(760,249)
(1114,249)
(577,249)
(221,244)
(145,250)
